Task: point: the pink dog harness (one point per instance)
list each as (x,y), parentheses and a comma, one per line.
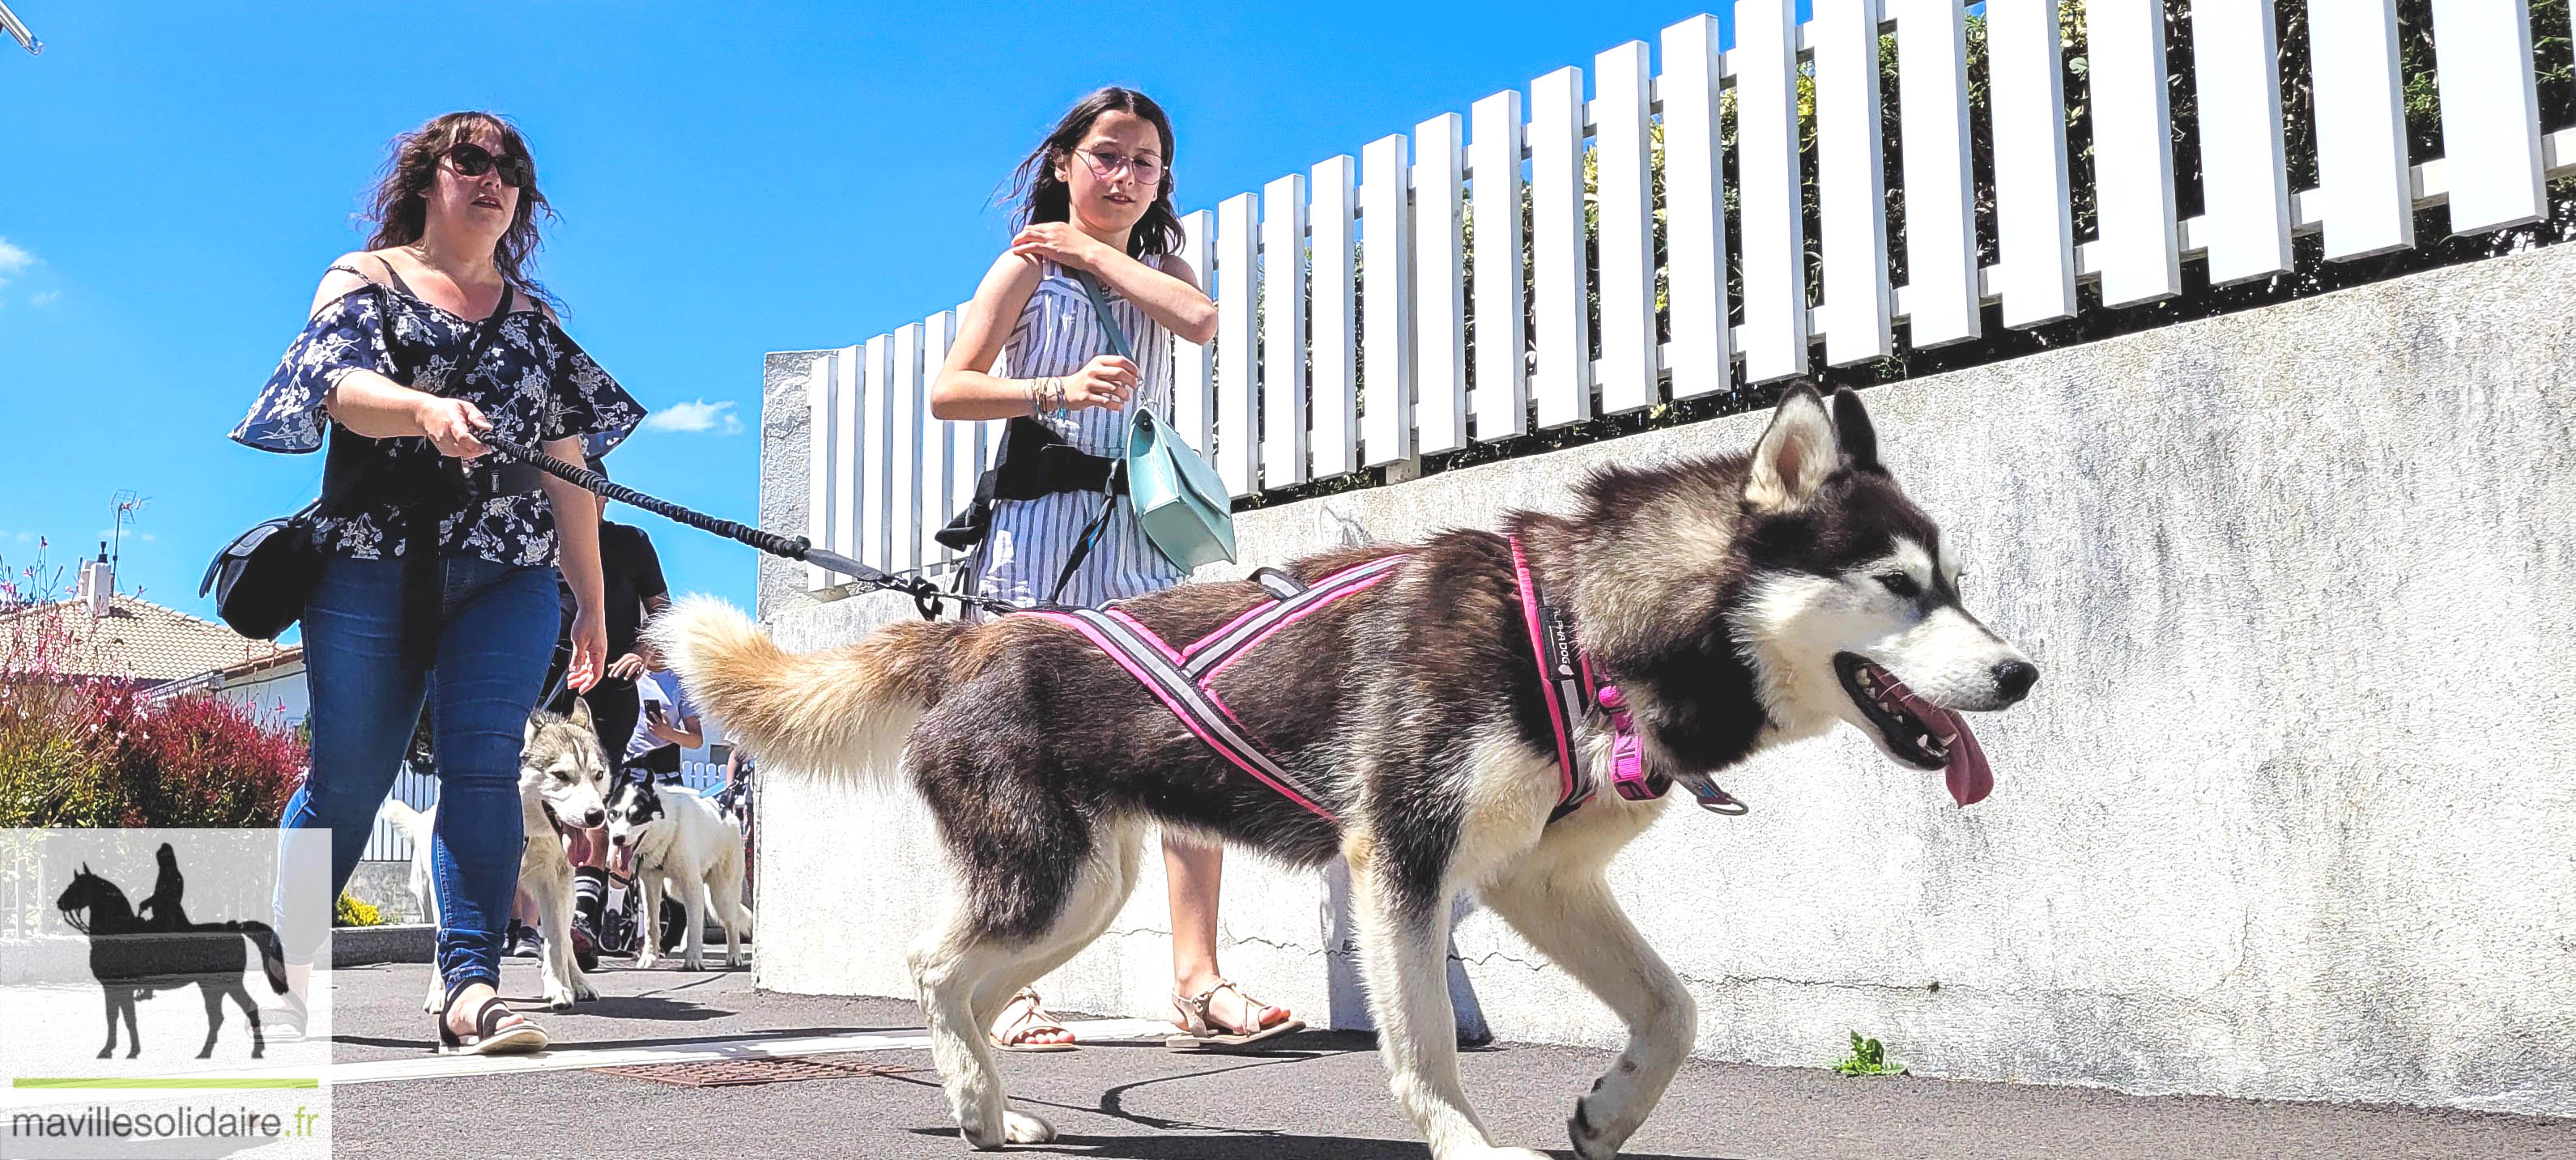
(1183,680)
(1572,692)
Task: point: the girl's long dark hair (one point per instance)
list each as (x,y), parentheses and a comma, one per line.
(400,204)
(1042,198)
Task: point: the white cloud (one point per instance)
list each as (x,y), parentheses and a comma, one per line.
(45,299)
(696,417)
(12,260)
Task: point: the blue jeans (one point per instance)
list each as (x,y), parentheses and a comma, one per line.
(497,631)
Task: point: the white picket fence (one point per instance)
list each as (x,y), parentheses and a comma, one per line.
(884,476)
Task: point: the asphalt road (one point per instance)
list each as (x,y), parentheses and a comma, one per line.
(1323,1096)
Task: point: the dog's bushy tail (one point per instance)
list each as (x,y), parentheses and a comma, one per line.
(417,828)
(413,823)
(840,713)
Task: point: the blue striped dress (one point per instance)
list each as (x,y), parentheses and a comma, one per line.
(1058,332)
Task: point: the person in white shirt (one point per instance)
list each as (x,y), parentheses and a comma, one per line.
(668,725)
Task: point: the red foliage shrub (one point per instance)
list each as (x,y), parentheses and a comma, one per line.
(87,752)
(199,761)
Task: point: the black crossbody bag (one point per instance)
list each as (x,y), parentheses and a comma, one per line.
(263,578)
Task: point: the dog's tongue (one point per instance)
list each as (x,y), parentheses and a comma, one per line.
(1969,777)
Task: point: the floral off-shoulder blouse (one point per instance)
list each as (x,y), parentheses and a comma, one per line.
(533,382)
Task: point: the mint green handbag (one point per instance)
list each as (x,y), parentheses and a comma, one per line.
(1184,508)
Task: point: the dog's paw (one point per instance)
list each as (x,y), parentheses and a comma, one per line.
(583,992)
(1023,1128)
(693,964)
(646,962)
(559,1000)
(1590,1143)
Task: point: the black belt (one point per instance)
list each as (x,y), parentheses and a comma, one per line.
(1033,461)
(355,478)
(1054,468)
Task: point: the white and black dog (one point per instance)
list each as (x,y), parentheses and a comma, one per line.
(1738,602)
(674,839)
(563,773)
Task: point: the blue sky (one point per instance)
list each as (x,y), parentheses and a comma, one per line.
(733,179)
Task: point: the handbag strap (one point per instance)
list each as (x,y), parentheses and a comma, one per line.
(1108,321)
(1091,533)
(483,332)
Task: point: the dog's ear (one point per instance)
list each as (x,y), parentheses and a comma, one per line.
(528,737)
(1851,428)
(581,714)
(1797,453)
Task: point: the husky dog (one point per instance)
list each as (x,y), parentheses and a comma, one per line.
(1738,602)
(673,839)
(563,773)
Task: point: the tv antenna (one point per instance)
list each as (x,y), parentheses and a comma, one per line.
(128,504)
(17,30)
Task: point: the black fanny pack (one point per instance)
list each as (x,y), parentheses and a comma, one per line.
(1032,461)
(262,579)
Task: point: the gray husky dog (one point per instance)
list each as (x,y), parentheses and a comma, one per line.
(563,774)
(1738,602)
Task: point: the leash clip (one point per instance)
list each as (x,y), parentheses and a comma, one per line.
(1714,798)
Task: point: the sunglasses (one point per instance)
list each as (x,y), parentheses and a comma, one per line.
(1107,164)
(473,160)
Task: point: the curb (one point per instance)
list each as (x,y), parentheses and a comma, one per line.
(358,946)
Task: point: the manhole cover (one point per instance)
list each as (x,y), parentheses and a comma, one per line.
(736,1072)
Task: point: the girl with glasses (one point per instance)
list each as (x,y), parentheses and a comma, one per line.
(1096,199)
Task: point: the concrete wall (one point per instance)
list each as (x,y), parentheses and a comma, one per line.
(2289,814)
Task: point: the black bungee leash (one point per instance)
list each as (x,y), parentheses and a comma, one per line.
(926,596)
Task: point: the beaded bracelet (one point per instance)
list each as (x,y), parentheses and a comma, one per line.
(1046,398)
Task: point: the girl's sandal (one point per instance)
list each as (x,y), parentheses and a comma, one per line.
(1202,1031)
(1012,1033)
(497,1029)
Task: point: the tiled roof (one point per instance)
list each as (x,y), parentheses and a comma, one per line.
(143,641)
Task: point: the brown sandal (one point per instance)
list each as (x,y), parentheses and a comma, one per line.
(498,1030)
(1013,1034)
(1202,1031)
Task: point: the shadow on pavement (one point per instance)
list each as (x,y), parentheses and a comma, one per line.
(654,1007)
(560,1044)
(1246,1146)
(1188,1140)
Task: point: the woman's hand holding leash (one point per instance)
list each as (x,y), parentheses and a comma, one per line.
(451,425)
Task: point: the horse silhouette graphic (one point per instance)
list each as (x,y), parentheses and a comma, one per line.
(137,955)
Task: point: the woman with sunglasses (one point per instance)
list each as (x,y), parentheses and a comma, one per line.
(438,581)
(1097,202)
